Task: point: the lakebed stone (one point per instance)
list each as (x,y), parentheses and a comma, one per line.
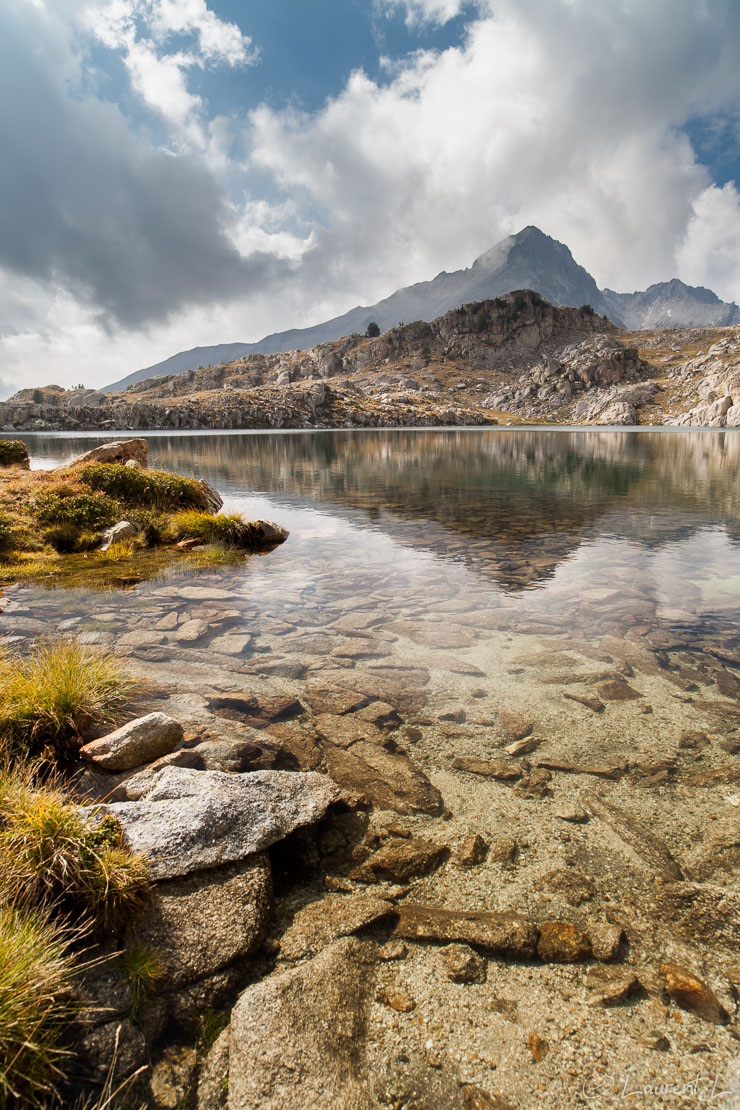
(463,965)
(390,780)
(402,860)
(607,986)
(505,934)
(561,942)
(297,1038)
(337,915)
(689,992)
(135,743)
(193,820)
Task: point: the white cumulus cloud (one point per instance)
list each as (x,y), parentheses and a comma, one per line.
(142,29)
(564,113)
(710,250)
(568,114)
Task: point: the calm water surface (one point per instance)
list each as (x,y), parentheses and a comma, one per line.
(466,541)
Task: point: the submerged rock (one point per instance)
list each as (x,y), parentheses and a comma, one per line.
(193,820)
(402,860)
(297,1038)
(691,993)
(562,943)
(337,915)
(505,934)
(463,965)
(607,986)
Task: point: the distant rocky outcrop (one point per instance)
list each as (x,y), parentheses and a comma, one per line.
(411,375)
(507,359)
(527,260)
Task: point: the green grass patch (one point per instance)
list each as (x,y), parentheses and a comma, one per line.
(13,453)
(212,1023)
(51,697)
(145,971)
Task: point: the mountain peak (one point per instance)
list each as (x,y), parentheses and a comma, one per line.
(500,252)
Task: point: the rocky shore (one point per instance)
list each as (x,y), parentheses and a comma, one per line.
(513,359)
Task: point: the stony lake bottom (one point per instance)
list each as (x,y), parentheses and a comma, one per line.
(573,593)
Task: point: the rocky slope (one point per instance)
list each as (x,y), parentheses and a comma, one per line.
(528,260)
(513,359)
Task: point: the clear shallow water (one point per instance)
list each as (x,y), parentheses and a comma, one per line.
(457,575)
(476,542)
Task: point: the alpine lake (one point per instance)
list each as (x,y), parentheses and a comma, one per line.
(550,618)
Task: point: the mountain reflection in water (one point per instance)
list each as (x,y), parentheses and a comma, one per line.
(512,505)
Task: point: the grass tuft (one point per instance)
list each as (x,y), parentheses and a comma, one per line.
(119,549)
(49,699)
(145,972)
(35,1005)
(51,854)
(223,529)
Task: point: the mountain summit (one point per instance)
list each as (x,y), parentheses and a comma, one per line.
(527,260)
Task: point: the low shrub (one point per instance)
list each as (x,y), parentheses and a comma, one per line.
(154,527)
(136,486)
(64,538)
(81,509)
(49,699)
(225,530)
(13,453)
(35,1005)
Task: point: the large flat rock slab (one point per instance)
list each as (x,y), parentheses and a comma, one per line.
(192,820)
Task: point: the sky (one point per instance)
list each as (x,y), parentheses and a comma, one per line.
(177,173)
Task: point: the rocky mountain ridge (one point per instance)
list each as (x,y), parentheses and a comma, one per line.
(509,360)
(527,260)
